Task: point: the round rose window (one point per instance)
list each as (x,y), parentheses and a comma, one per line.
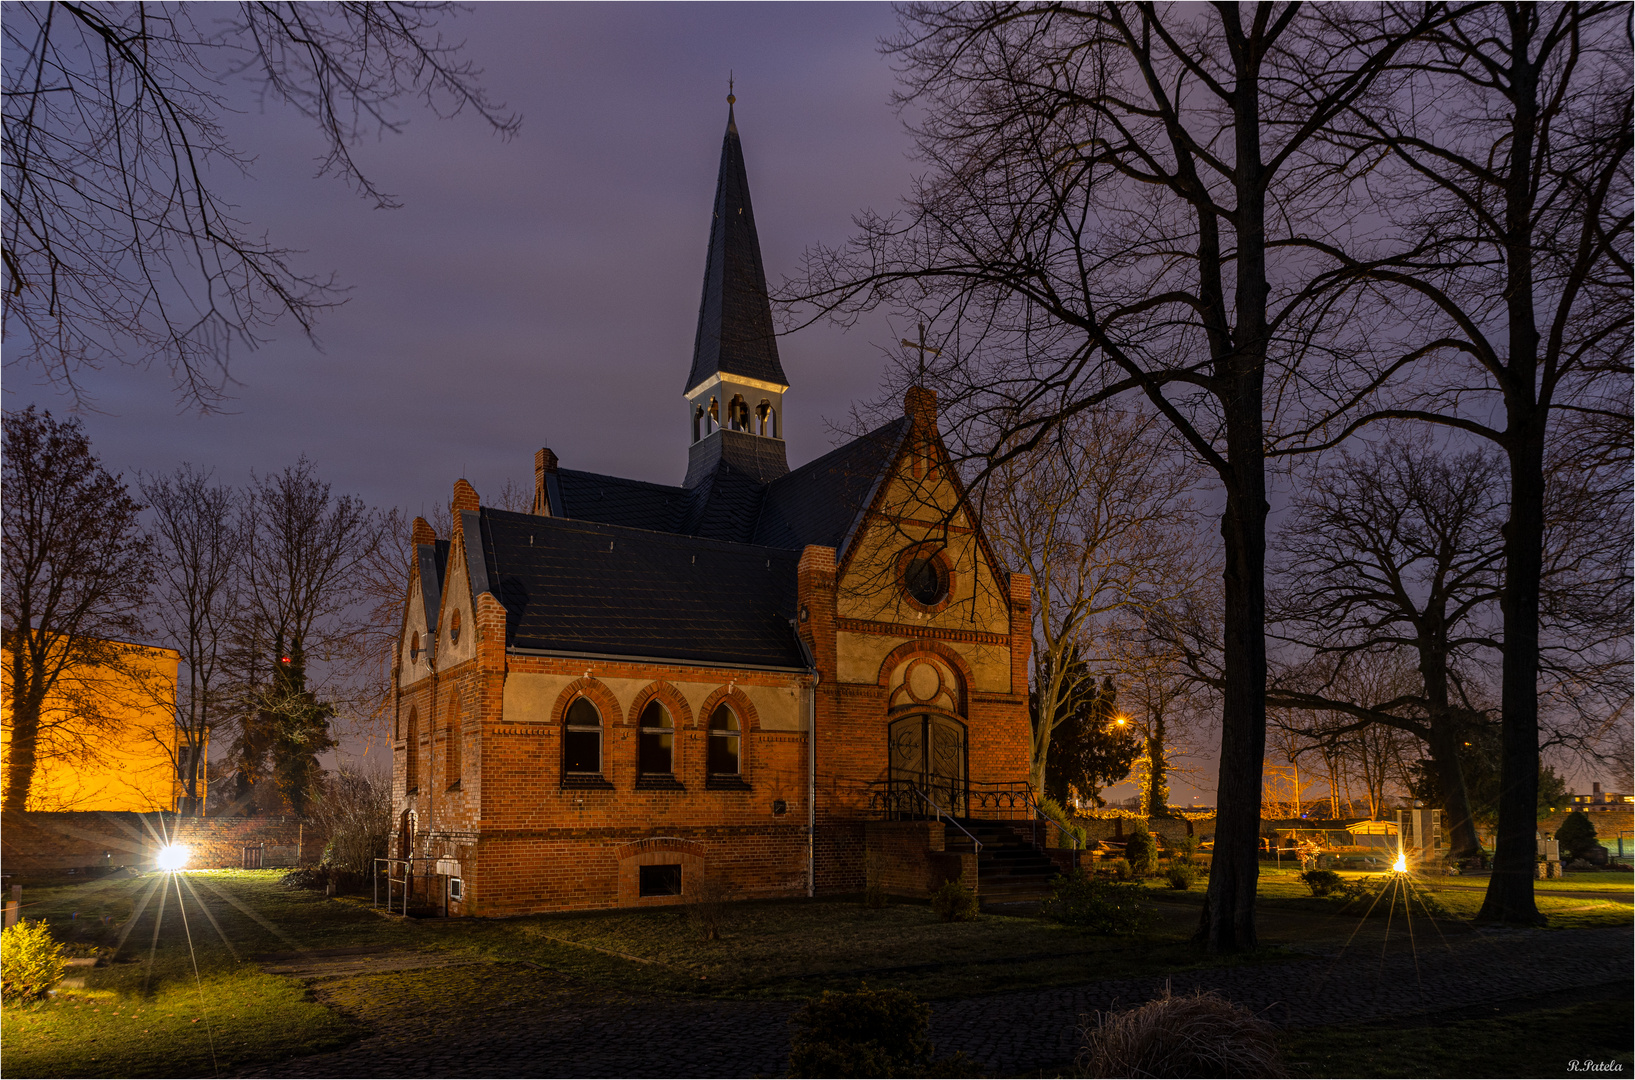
(925,580)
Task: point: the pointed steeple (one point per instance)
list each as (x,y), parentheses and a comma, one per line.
(735,333)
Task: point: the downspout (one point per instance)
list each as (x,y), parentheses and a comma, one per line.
(811,761)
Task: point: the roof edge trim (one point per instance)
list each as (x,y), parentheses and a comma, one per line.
(623,659)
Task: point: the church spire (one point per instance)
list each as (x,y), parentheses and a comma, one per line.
(735,335)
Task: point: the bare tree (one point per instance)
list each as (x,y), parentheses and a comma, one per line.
(1500,163)
(195,532)
(1100,516)
(77,571)
(1395,548)
(302,551)
(1114,201)
(118,243)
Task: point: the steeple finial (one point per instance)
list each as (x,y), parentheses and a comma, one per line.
(731,99)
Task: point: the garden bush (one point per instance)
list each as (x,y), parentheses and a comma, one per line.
(1201,1035)
(1322,882)
(31,961)
(1120,869)
(1098,906)
(954,902)
(355,809)
(1142,853)
(707,907)
(1185,850)
(1180,875)
(867,1033)
(1576,835)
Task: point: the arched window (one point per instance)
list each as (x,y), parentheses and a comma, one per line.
(713,418)
(454,628)
(656,743)
(761,411)
(738,413)
(698,421)
(772,422)
(451,747)
(411,747)
(726,734)
(414,647)
(582,741)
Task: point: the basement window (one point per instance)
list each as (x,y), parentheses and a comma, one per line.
(663,880)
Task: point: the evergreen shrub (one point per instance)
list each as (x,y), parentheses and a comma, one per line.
(1576,835)
(1180,875)
(1323,882)
(31,961)
(1142,853)
(954,902)
(1101,907)
(867,1033)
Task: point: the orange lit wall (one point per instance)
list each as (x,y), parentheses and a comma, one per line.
(119,730)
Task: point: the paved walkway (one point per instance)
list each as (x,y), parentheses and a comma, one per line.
(519,1020)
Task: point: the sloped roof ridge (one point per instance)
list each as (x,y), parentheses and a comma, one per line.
(846,447)
(625,480)
(587,525)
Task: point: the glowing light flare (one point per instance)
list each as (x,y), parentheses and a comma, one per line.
(173,857)
(1121,719)
(1401,865)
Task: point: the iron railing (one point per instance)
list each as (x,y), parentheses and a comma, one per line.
(400,876)
(900,796)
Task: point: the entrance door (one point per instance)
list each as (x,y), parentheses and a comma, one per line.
(929,753)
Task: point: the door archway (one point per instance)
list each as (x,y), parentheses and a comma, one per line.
(928,751)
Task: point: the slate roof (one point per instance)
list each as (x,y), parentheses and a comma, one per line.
(818,503)
(822,501)
(735,332)
(588,587)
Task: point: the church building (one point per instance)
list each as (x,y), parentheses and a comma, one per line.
(793,682)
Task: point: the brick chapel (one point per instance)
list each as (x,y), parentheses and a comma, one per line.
(636,687)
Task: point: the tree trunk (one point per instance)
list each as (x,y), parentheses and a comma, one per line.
(1515,851)
(1447,749)
(22,752)
(1510,891)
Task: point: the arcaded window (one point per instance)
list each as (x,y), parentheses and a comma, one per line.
(656,747)
(738,413)
(411,768)
(582,741)
(714,415)
(698,421)
(725,741)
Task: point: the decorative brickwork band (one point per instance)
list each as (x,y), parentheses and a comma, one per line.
(599,695)
(927,648)
(869,626)
(671,699)
(740,704)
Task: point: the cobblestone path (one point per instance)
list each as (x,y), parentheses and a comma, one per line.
(516,1020)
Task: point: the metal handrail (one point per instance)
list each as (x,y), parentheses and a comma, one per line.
(932,803)
(407,880)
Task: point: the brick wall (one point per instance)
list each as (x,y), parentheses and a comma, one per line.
(907,858)
(40,842)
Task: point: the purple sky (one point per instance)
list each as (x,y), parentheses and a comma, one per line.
(544,291)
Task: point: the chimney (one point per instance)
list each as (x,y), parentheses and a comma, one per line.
(1596,787)
(920,405)
(544,463)
(423,533)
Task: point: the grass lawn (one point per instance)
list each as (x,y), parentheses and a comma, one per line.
(182,996)
(796,949)
(1522,1039)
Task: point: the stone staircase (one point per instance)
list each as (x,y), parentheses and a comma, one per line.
(1009,867)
